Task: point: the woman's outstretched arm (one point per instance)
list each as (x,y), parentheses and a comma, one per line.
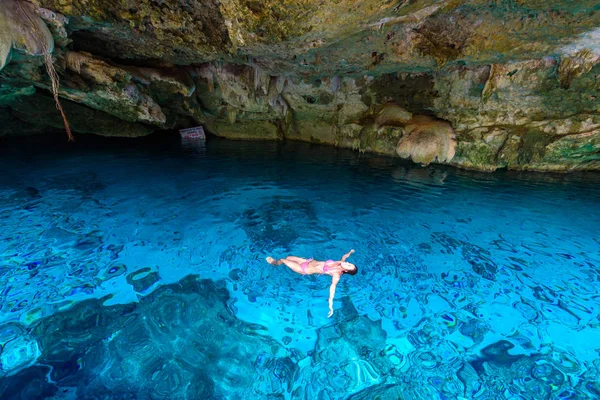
(348,254)
(334,282)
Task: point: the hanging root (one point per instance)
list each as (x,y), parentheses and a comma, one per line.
(49,68)
(55,84)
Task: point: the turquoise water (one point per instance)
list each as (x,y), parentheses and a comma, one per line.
(135,270)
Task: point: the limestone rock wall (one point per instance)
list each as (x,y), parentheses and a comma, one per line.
(477,84)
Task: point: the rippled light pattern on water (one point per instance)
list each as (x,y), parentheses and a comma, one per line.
(138,272)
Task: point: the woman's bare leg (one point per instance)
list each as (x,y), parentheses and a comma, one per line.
(294,266)
(299,260)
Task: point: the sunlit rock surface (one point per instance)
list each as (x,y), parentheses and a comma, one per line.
(516,82)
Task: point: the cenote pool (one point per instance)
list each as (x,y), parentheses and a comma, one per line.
(135,270)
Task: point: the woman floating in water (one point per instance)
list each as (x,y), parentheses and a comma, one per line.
(309,266)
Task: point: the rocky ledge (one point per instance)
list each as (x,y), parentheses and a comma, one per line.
(474,83)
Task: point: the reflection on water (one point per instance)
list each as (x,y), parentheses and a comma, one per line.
(136,270)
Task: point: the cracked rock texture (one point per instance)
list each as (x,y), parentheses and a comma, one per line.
(478,84)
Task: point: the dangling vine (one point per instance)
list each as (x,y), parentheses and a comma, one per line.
(47,53)
(55,84)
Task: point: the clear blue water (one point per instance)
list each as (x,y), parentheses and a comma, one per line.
(136,270)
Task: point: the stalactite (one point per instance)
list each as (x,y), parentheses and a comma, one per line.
(276,86)
(74,61)
(279,84)
(335,87)
(273,94)
(283,106)
(335,84)
(231,114)
(206,72)
(257,74)
(261,80)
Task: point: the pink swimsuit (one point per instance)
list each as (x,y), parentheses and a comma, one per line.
(305,264)
(325,268)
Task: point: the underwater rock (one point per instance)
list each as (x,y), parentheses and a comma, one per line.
(180,341)
(531,376)
(381,392)
(19,350)
(347,358)
(275,224)
(476,256)
(143,279)
(31,383)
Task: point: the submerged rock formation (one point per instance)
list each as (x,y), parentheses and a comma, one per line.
(478,84)
(183,342)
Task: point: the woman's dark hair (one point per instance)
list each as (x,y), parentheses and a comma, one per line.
(353,272)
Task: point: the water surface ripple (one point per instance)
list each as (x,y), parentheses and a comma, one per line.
(138,270)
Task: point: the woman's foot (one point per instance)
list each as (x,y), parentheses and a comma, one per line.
(272,261)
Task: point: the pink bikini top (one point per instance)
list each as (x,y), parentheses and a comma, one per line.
(325,267)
